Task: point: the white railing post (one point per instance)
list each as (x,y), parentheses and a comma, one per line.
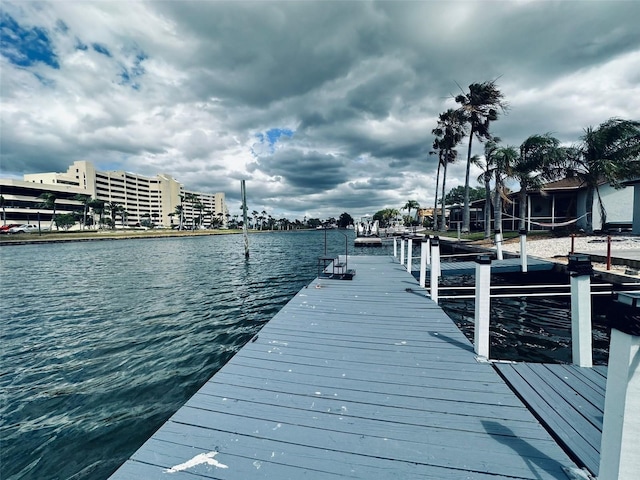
(523,250)
(395,247)
(498,244)
(621,424)
(424,255)
(409,253)
(482,305)
(402,250)
(580,273)
(435,268)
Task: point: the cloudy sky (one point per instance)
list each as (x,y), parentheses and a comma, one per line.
(322,106)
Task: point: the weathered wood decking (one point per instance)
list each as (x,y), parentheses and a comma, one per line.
(568,399)
(365,378)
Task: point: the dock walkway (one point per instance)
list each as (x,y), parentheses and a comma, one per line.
(364,378)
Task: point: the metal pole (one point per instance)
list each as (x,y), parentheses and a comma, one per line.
(482,305)
(608,252)
(243,191)
(573,239)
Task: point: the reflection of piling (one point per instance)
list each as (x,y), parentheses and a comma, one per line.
(580,279)
(482,305)
(523,250)
(619,445)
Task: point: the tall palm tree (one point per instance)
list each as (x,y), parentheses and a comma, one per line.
(449,132)
(480,107)
(84,199)
(609,153)
(97,207)
(489,172)
(49,202)
(112,208)
(538,159)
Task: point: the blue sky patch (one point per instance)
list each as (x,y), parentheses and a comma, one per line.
(101,49)
(25,47)
(274,134)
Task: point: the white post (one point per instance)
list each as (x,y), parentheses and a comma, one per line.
(435,268)
(409,253)
(458,231)
(395,247)
(523,250)
(580,272)
(428,249)
(619,456)
(401,250)
(482,305)
(424,254)
(499,245)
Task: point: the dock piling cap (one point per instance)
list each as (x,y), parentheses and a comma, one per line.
(522,231)
(435,241)
(580,265)
(483,259)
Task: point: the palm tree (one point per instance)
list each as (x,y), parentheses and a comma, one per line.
(112,208)
(49,202)
(4,212)
(84,199)
(480,108)
(97,207)
(609,153)
(254,214)
(179,210)
(489,171)
(449,132)
(411,204)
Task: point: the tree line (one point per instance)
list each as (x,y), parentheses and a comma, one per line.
(608,153)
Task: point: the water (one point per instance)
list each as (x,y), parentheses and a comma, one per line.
(103,341)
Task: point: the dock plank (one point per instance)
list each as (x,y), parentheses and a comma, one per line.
(568,399)
(364,378)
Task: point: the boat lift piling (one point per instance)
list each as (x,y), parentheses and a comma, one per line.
(435,268)
(621,424)
(424,259)
(580,271)
(402,250)
(409,252)
(523,250)
(482,306)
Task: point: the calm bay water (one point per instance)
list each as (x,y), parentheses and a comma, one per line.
(103,341)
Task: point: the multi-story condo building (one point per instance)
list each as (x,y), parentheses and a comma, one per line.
(136,197)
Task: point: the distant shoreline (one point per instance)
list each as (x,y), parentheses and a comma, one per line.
(92,236)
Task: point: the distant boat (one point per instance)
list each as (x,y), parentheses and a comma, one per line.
(367,233)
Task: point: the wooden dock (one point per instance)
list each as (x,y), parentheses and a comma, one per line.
(508,265)
(568,399)
(364,378)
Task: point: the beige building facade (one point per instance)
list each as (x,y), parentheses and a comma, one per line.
(138,197)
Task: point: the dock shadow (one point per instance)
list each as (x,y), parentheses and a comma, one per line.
(535,460)
(453,341)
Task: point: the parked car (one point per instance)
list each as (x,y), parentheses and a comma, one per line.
(5,228)
(24,229)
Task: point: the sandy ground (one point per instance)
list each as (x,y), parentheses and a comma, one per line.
(557,249)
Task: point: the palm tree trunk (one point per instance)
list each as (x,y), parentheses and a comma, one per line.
(435,203)
(523,206)
(443,224)
(589,208)
(466,213)
(497,207)
(487,206)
